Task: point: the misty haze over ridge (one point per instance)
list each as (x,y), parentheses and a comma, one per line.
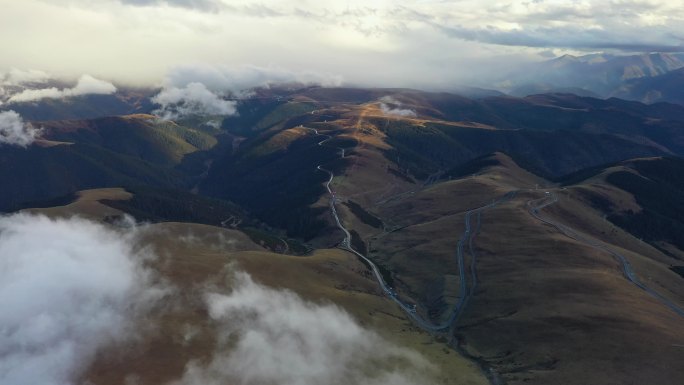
(206,90)
(599,75)
(368,44)
(86,288)
(259,120)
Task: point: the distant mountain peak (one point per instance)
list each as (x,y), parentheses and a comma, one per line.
(596,74)
(567,57)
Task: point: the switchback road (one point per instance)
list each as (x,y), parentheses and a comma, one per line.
(466,239)
(535,206)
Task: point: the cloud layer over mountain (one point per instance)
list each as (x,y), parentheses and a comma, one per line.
(192,99)
(392,107)
(369,43)
(14,131)
(86,85)
(18,77)
(68,288)
(203,89)
(276,337)
(236,79)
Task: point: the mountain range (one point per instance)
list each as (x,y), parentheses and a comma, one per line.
(648,78)
(528,234)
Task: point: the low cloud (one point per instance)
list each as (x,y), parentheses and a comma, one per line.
(201,5)
(86,85)
(14,131)
(393,107)
(272,336)
(584,39)
(30,95)
(202,89)
(68,288)
(242,78)
(17,77)
(192,99)
(90,85)
(370,43)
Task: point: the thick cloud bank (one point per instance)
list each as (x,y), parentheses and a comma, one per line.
(17,77)
(275,337)
(392,107)
(86,85)
(241,78)
(14,131)
(200,89)
(192,99)
(68,287)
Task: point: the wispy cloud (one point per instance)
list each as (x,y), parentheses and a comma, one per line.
(235,79)
(68,288)
(18,77)
(86,85)
(14,131)
(569,37)
(192,99)
(393,107)
(368,43)
(201,5)
(270,336)
(204,89)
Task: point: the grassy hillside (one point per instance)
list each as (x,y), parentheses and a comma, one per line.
(426,148)
(277,185)
(196,259)
(663,88)
(156,205)
(129,151)
(544,307)
(50,172)
(124,102)
(143,136)
(658,188)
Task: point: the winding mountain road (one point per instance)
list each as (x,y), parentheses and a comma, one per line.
(466,238)
(626,267)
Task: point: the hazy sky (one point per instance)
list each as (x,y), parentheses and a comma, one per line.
(425,43)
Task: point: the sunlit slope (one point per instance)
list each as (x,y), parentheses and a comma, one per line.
(42,173)
(642,196)
(546,308)
(142,136)
(196,259)
(125,101)
(106,152)
(552,309)
(396,139)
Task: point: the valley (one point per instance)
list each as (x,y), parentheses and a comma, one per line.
(268,192)
(502,249)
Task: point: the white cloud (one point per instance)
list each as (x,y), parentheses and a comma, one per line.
(68,288)
(17,77)
(272,336)
(380,43)
(393,107)
(86,85)
(203,5)
(240,78)
(200,89)
(89,85)
(14,131)
(192,99)
(31,95)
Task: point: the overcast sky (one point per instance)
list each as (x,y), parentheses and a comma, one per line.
(421,43)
